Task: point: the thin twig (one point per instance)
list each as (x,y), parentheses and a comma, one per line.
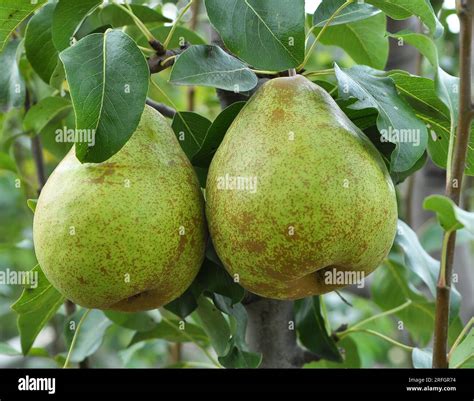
(384,337)
(321,32)
(74,339)
(196,5)
(167,41)
(455,172)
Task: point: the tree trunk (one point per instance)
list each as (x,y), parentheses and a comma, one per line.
(271,331)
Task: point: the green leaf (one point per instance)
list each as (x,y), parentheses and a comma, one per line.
(416,258)
(239,355)
(184,305)
(402,9)
(181,36)
(350,354)
(422,358)
(45,111)
(211,66)
(463,355)
(108,80)
(214,324)
(422,42)
(174,331)
(353,12)
(90,336)
(116,17)
(32,204)
(390,288)
(12,13)
(7,163)
(447,86)
(8,350)
(140,321)
(426,99)
(266,35)
(398,178)
(312,332)
(450,216)
(67,18)
(190,129)
(364,41)
(423,265)
(215,134)
(374,90)
(213,278)
(35,307)
(12,85)
(39,46)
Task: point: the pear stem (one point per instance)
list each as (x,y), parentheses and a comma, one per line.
(292,72)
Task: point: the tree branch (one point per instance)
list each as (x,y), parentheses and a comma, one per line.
(454,185)
(167,111)
(161,61)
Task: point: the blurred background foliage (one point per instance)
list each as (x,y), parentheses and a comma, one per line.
(16,245)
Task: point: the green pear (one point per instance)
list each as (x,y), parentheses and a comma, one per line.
(127,234)
(299,201)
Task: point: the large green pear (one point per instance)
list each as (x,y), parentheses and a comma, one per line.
(299,201)
(127,234)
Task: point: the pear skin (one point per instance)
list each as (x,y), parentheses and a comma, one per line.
(297,196)
(127,234)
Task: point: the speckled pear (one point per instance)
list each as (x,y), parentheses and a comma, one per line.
(127,234)
(298,198)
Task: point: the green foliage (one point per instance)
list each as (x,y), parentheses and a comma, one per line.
(108,92)
(364,40)
(401,9)
(211,66)
(140,321)
(214,324)
(88,336)
(427,102)
(312,330)
(44,112)
(12,84)
(12,13)
(173,330)
(35,308)
(114,16)
(39,46)
(391,288)
(422,358)
(215,135)
(374,90)
(354,12)
(190,129)
(104,79)
(266,35)
(463,355)
(67,18)
(450,216)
